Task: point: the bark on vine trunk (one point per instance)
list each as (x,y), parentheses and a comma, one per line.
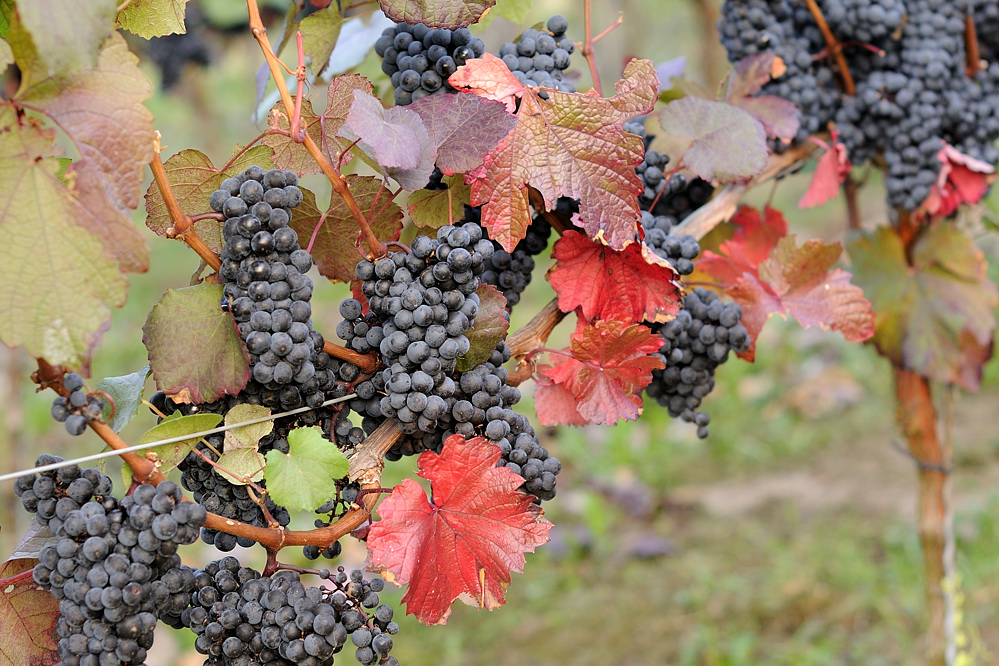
(917,419)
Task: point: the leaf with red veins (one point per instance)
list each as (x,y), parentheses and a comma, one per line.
(962,179)
(488,77)
(779,117)
(395,137)
(607,365)
(718,141)
(554,403)
(490,325)
(830,172)
(28,615)
(467,541)
(797,281)
(571,145)
(632,284)
(437,13)
(755,237)
(336,248)
(465,128)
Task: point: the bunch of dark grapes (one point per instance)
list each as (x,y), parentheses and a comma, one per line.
(420,59)
(268,291)
(512,272)
(114,566)
(77,409)
(680,250)
(539,57)
(241,617)
(695,343)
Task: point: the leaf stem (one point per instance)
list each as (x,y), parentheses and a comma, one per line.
(586,48)
(4,582)
(336,179)
(297,131)
(973,61)
(366,362)
(606,31)
(835,48)
(532,336)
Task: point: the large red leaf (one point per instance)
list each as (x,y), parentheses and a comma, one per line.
(962,179)
(605,369)
(571,145)
(631,285)
(467,542)
(754,238)
(28,617)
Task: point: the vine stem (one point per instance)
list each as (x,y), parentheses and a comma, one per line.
(973,56)
(532,336)
(555,220)
(182,228)
(366,362)
(586,48)
(917,418)
(835,48)
(338,182)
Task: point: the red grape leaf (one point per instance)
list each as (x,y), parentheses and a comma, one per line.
(934,315)
(779,117)
(555,404)
(436,13)
(153,18)
(60,282)
(962,179)
(465,128)
(432,209)
(572,145)
(632,284)
(830,172)
(101,111)
(28,615)
(193,178)
(489,327)
(606,366)
(718,141)
(290,154)
(798,281)
(749,246)
(467,542)
(489,78)
(334,236)
(395,137)
(195,352)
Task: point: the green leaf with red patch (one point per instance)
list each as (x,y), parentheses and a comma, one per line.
(631,285)
(28,615)
(489,327)
(436,13)
(571,145)
(935,313)
(195,352)
(601,374)
(334,236)
(432,209)
(467,542)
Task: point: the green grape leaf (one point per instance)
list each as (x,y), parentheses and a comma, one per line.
(28,615)
(60,283)
(337,236)
(193,178)
(303,477)
(935,313)
(718,141)
(175,425)
(101,111)
(489,327)
(240,455)
(153,18)
(515,11)
(436,13)
(319,34)
(432,209)
(66,38)
(126,392)
(195,352)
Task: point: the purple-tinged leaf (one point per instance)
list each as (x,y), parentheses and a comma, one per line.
(465,128)
(780,118)
(394,142)
(195,352)
(489,327)
(669,69)
(436,13)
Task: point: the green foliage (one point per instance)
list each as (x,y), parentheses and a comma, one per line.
(303,477)
(153,18)
(240,462)
(126,392)
(175,425)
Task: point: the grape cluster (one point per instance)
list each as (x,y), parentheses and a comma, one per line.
(695,343)
(420,59)
(908,61)
(241,617)
(267,289)
(539,57)
(114,566)
(680,250)
(423,301)
(78,408)
(512,272)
